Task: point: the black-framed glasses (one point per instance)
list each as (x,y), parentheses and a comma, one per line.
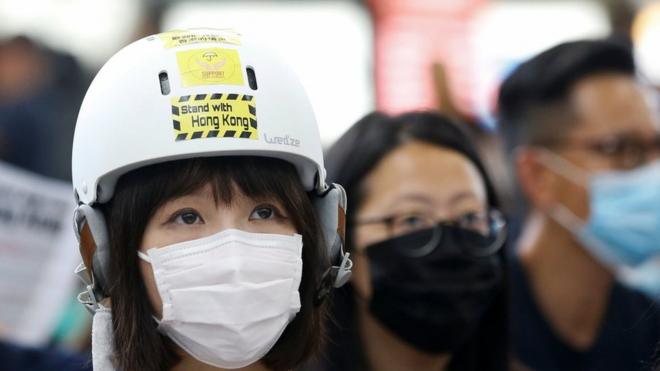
(625,151)
(478,233)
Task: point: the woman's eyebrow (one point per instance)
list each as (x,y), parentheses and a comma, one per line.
(421,199)
(195,196)
(412,197)
(461,196)
(415,198)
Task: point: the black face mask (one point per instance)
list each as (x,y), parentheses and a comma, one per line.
(433,302)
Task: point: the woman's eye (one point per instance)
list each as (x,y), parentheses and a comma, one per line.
(263,212)
(410,223)
(411,220)
(188,217)
(474,220)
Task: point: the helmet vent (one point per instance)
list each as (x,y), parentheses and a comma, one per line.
(164,83)
(252,78)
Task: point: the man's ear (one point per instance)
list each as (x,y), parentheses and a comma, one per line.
(538,183)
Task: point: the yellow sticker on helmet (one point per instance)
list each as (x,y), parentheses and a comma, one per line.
(214,116)
(209,67)
(188,37)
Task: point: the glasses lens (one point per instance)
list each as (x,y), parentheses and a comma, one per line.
(477,222)
(633,153)
(423,241)
(484,236)
(424,237)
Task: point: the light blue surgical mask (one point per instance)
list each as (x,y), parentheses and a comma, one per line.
(623,227)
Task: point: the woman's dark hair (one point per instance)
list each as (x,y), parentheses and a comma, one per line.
(139,193)
(350,160)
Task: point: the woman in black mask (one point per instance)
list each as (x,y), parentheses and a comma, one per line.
(428,290)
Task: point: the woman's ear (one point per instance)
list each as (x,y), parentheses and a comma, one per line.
(537,182)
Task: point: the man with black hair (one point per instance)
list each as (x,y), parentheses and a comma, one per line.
(584,142)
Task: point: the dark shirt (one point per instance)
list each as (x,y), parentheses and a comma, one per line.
(20,358)
(627,339)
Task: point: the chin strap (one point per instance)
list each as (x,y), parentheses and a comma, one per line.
(102,346)
(331,208)
(334,277)
(89,227)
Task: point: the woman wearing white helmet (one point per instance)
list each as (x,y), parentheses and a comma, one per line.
(208,235)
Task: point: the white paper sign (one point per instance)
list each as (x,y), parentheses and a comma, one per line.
(37,254)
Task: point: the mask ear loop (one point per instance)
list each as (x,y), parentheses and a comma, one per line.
(571,222)
(144,256)
(563,167)
(560,213)
(90,297)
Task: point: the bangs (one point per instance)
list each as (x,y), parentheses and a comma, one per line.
(255,177)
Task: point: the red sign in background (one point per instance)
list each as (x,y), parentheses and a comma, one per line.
(411,36)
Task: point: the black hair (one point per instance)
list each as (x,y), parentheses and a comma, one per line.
(348,162)
(533,101)
(139,194)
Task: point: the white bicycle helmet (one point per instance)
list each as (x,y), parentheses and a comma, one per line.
(188,94)
(185,94)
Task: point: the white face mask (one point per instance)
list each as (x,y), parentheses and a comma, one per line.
(228,297)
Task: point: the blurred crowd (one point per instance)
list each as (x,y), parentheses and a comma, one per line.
(565,186)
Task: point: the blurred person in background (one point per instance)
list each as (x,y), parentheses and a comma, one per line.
(584,144)
(14,357)
(40,90)
(428,290)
